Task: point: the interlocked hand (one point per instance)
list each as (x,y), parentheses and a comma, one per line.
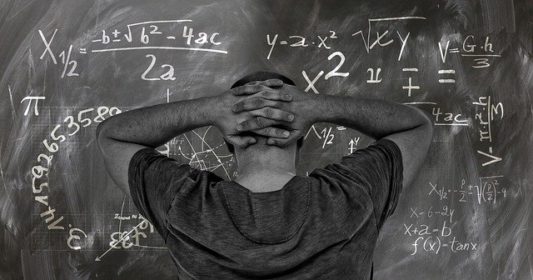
(298,106)
(266,102)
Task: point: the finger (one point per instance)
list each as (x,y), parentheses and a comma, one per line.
(256,123)
(253,104)
(275,95)
(249,89)
(283,142)
(254,83)
(272,132)
(273,83)
(241,141)
(273,114)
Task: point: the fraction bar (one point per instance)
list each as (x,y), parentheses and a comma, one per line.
(160,21)
(452,124)
(395,18)
(495,55)
(159,48)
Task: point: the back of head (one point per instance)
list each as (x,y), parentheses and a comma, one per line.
(261,144)
(262,76)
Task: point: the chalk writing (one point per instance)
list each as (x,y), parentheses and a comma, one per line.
(40,171)
(469,49)
(380,36)
(434,244)
(298,41)
(158,34)
(69,64)
(30,99)
(487,190)
(486,113)
(430,212)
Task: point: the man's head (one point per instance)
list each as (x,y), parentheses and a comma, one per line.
(254,77)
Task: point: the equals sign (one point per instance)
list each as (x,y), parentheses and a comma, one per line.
(454,50)
(83,50)
(446,81)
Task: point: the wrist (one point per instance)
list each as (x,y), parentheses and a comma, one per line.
(318,108)
(211,109)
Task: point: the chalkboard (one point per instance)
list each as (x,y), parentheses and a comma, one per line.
(67,65)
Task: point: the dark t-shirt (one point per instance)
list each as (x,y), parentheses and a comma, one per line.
(321,226)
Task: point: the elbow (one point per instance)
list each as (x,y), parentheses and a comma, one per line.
(426,127)
(101,134)
(423,119)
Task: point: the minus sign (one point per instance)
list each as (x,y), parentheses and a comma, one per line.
(116,40)
(283,42)
(447,71)
(171,37)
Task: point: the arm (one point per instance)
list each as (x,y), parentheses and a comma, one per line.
(121,136)
(407,126)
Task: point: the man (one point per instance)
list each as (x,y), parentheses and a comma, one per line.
(268,223)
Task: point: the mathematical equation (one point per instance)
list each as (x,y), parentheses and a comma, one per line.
(434,239)
(486,113)
(147,35)
(428,238)
(432,228)
(487,191)
(444,212)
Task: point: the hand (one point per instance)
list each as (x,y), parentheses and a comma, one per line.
(301,106)
(265,98)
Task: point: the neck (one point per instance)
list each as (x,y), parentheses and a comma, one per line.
(265,170)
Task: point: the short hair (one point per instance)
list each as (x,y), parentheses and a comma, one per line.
(262,76)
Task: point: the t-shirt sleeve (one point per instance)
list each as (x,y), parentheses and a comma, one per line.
(155,180)
(379,169)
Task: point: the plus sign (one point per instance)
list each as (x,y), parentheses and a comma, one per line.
(410,87)
(116,33)
(415,231)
